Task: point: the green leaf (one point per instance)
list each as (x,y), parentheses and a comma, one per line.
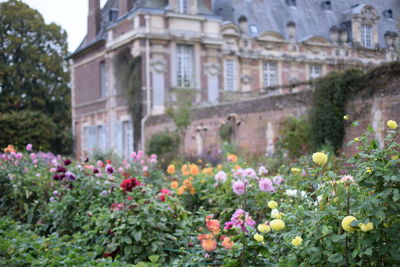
(127,240)
(154,258)
(335,258)
(396,195)
(137,236)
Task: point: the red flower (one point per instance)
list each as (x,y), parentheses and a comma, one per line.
(161,197)
(108,161)
(117,206)
(164,192)
(130,198)
(128,184)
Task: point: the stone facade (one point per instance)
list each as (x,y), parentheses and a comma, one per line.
(224,51)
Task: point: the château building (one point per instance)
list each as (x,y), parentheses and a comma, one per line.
(218,49)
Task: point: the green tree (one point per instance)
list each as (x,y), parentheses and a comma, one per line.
(34,75)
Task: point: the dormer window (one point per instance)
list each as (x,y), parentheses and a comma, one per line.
(366,36)
(388,14)
(113,15)
(291,2)
(326,5)
(254,29)
(183,6)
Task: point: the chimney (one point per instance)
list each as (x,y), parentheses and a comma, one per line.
(125,6)
(244,26)
(94,18)
(334,34)
(208,4)
(291,30)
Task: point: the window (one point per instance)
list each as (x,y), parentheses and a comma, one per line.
(113,15)
(291,2)
(315,71)
(127,141)
(230,75)
(388,14)
(270,74)
(366,36)
(326,5)
(183,6)
(254,29)
(184,63)
(101,138)
(103,80)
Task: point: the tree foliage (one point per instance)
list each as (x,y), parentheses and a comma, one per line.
(329,102)
(33,72)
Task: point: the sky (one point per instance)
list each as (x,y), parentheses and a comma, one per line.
(71,15)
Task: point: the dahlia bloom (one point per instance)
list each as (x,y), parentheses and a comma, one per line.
(227,243)
(250,172)
(232,158)
(346,223)
(240,219)
(263,228)
(171,169)
(258,237)
(265,185)
(277,180)
(239,173)
(365,227)
(28,147)
(128,184)
(272,204)
(194,169)
(297,241)
(213,225)
(277,225)
(174,185)
(262,171)
(239,187)
(320,158)
(70,176)
(220,177)
(209,245)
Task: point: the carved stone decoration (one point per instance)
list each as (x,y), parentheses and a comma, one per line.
(158,65)
(246,79)
(212,69)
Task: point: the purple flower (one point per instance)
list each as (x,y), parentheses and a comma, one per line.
(95,170)
(61,169)
(33,156)
(228,225)
(239,187)
(103,193)
(277,180)
(239,174)
(56,177)
(266,185)
(70,176)
(55,193)
(109,169)
(52,199)
(240,219)
(28,147)
(220,177)
(67,162)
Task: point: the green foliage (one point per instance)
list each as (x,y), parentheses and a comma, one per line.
(181,111)
(294,136)
(24,127)
(225,132)
(329,102)
(129,73)
(165,145)
(34,75)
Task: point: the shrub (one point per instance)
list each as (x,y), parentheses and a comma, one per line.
(166,145)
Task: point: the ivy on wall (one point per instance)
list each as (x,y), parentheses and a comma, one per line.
(128,71)
(328,108)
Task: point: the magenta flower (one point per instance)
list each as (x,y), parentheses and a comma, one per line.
(28,147)
(109,169)
(70,176)
(67,162)
(241,219)
(18,156)
(228,225)
(133,155)
(239,187)
(33,156)
(265,185)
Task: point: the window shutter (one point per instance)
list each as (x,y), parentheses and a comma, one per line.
(230,75)
(118,138)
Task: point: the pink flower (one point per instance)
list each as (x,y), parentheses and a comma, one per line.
(145,169)
(239,173)
(100,163)
(33,156)
(28,147)
(239,187)
(262,171)
(265,185)
(220,177)
(249,172)
(133,155)
(277,180)
(120,169)
(240,219)
(35,161)
(139,155)
(53,170)
(153,156)
(18,156)
(109,169)
(142,162)
(228,225)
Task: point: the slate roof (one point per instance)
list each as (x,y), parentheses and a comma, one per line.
(270,15)
(310,18)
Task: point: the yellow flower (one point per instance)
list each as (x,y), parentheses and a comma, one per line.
(258,237)
(346,223)
(185,170)
(346,117)
(297,241)
(365,227)
(181,190)
(174,185)
(295,170)
(356,139)
(276,214)
(368,170)
(320,158)
(277,225)
(391,124)
(232,158)
(272,204)
(171,169)
(194,170)
(263,228)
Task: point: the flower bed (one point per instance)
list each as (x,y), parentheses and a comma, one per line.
(322,210)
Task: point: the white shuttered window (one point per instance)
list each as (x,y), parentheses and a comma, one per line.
(315,71)
(230,75)
(127,134)
(366,36)
(270,73)
(183,6)
(184,63)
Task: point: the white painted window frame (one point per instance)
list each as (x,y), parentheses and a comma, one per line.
(270,73)
(185,77)
(230,74)
(366,35)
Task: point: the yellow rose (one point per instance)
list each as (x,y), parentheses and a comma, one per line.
(272,204)
(295,170)
(391,124)
(171,169)
(356,139)
(297,241)
(263,228)
(277,225)
(258,237)
(346,223)
(346,117)
(320,158)
(365,227)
